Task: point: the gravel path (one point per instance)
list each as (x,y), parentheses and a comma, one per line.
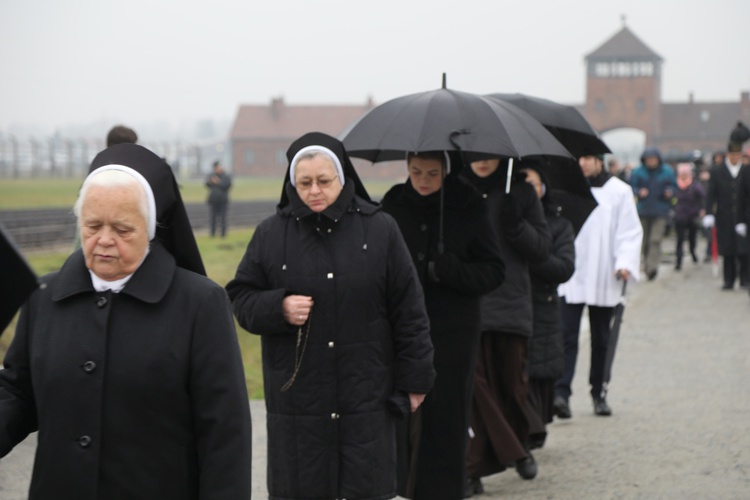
(681,407)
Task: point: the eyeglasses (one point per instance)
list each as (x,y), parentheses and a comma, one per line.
(322,183)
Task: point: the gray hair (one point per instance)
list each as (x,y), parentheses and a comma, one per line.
(111,179)
(310,152)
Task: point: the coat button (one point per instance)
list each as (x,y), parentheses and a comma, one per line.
(484,195)
(329,276)
(89,366)
(423,227)
(330,345)
(334,416)
(101,302)
(84,441)
(549,298)
(420,256)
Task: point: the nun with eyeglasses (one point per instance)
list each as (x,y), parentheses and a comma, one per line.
(329,285)
(126,360)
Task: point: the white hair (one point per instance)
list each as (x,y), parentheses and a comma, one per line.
(118,176)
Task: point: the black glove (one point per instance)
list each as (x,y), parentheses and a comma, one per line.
(511,214)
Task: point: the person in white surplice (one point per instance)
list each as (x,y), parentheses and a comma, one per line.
(608,250)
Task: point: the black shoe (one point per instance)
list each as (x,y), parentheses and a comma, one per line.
(473,487)
(526,467)
(678,266)
(695,257)
(561,407)
(651,275)
(727,286)
(601,408)
(536,441)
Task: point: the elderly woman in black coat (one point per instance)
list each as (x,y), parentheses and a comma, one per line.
(546,355)
(445,225)
(126,364)
(329,285)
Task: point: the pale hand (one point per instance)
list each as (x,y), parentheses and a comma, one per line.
(708,221)
(741,229)
(623,274)
(415,400)
(296,309)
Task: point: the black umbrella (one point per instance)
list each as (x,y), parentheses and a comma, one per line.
(614,335)
(448,120)
(565,122)
(574,207)
(17,280)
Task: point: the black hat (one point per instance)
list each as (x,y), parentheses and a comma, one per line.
(17,280)
(739,134)
(173,228)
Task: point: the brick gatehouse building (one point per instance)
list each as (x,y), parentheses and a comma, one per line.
(623,91)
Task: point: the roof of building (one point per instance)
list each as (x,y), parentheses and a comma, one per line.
(624,44)
(279,120)
(699,120)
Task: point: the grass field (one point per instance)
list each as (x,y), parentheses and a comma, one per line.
(52,193)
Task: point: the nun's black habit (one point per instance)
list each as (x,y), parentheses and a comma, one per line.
(332,433)
(136,394)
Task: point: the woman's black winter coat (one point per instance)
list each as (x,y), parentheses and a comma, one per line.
(546,346)
(331,435)
(453,282)
(518,220)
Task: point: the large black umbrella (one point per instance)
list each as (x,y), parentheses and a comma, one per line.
(17,280)
(565,122)
(448,120)
(574,207)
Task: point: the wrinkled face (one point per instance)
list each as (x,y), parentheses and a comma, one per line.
(114,233)
(591,166)
(485,168)
(532,177)
(317,182)
(651,162)
(425,175)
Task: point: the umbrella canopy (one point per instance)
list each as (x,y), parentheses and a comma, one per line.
(565,122)
(448,120)
(574,207)
(17,280)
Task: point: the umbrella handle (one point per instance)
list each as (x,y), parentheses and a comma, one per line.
(509,176)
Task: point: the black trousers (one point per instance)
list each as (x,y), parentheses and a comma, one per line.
(731,264)
(218,218)
(599,321)
(689,228)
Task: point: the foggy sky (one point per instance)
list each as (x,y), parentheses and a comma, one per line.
(83,61)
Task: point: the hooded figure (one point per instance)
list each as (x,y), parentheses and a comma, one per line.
(126,364)
(328,284)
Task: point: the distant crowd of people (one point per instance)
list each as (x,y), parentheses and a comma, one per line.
(412,346)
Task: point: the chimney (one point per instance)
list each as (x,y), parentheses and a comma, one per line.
(745,105)
(690,98)
(277,104)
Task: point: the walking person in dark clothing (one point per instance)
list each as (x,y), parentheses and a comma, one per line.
(444,223)
(328,284)
(722,211)
(500,409)
(690,197)
(218,184)
(546,355)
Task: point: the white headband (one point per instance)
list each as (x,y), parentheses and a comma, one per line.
(322,149)
(150,200)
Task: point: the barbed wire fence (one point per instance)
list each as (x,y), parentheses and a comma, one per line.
(62,157)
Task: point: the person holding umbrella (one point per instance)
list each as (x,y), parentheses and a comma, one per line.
(444,223)
(546,355)
(500,410)
(607,249)
(328,284)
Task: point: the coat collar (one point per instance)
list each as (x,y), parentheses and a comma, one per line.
(149,283)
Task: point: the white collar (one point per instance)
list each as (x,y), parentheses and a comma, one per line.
(116,286)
